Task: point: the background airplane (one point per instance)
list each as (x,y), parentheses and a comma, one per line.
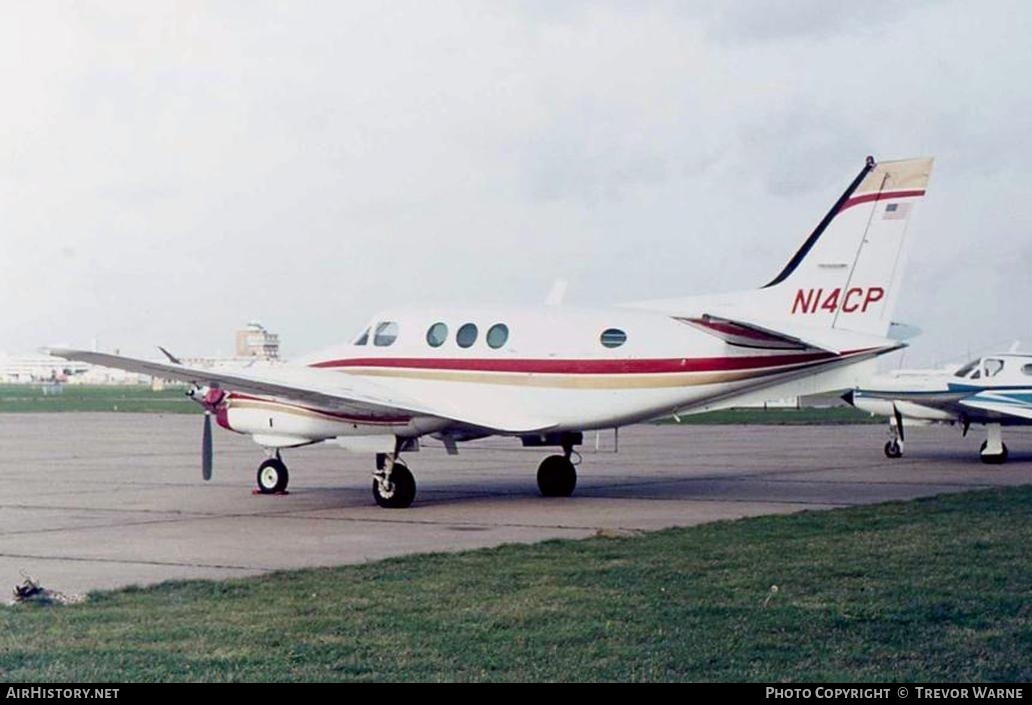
(547,374)
(995,390)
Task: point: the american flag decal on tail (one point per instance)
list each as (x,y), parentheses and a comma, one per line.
(896,211)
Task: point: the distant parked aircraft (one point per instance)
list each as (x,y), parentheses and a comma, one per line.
(995,391)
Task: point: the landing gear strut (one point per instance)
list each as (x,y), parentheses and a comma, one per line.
(394,487)
(894,448)
(273,476)
(557,476)
(993,450)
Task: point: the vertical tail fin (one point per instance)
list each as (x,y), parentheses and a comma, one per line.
(847,274)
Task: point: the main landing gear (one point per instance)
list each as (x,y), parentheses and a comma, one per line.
(273,476)
(993,450)
(557,475)
(394,487)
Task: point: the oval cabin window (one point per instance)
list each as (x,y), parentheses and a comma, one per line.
(437,334)
(467,335)
(613,337)
(497,335)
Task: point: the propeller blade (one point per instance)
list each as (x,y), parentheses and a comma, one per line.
(206,451)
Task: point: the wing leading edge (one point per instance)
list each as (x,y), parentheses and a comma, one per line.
(322,388)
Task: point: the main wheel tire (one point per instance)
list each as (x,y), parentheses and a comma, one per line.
(401,490)
(995,459)
(272,476)
(892,450)
(556,477)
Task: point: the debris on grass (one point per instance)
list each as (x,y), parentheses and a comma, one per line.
(607,533)
(31,591)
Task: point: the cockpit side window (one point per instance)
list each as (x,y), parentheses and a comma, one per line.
(363,339)
(386,333)
(993,366)
(1026,370)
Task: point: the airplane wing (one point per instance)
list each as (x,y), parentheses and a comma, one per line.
(999,405)
(938,399)
(321,388)
(782,336)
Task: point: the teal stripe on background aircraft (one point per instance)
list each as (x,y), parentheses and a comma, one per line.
(995,391)
(546,374)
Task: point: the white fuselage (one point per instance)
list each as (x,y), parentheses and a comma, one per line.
(552,364)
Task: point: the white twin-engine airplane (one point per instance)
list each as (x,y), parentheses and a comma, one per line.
(548,374)
(995,390)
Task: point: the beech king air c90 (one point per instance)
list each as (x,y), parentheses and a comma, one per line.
(546,375)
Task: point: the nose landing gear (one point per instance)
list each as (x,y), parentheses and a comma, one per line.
(273,476)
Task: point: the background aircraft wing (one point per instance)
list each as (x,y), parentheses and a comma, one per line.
(1000,404)
(321,388)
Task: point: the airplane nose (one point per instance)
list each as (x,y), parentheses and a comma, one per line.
(848,397)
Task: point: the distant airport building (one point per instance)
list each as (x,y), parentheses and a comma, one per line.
(35,369)
(253,341)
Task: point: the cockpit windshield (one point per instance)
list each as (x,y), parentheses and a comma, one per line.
(967,369)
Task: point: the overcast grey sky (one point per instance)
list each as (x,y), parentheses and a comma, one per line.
(173,170)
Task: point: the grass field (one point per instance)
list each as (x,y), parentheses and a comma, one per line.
(138,398)
(931,590)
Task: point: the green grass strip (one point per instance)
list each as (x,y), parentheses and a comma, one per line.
(930,590)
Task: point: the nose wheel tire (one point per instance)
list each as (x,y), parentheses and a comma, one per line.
(272,476)
(397,490)
(556,477)
(893,449)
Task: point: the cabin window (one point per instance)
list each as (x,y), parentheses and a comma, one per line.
(993,366)
(613,337)
(467,335)
(364,338)
(386,333)
(437,334)
(1026,370)
(497,335)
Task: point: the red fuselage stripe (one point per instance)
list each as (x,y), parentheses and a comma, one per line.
(575,367)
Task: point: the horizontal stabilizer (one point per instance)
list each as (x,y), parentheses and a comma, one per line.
(784,336)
